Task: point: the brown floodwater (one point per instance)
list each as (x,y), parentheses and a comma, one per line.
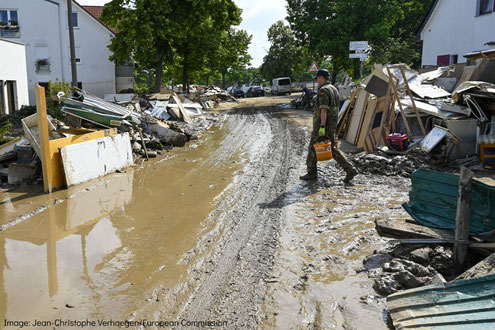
(94,250)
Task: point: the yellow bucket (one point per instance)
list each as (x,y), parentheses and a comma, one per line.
(323,151)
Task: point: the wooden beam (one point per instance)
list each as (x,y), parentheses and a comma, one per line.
(463,218)
(44,138)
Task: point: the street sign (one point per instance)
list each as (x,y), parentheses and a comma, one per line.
(314,67)
(358,45)
(361,56)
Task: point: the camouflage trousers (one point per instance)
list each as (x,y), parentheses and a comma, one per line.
(338,155)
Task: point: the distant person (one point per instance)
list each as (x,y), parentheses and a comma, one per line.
(305,96)
(324,125)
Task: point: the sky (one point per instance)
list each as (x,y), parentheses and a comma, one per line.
(257,17)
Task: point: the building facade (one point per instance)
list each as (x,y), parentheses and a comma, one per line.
(13,77)
(454,28)
(42,25)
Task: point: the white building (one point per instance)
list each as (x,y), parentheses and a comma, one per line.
(13,76)
(42,25)
(454,28)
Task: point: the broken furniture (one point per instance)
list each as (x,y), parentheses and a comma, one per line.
(51,161)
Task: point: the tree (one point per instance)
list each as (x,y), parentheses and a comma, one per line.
(197,28)
(143,35)
(327,27)
(232,52)
(284,57)
(180,34)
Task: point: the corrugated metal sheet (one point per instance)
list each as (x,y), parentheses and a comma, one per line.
(465,304)
(433,201)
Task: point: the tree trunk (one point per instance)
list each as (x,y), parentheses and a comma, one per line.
(223,79)
(158,73)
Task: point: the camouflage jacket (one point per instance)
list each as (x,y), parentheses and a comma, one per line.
(326,98)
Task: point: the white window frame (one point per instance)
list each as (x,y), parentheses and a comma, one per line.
(76,27)
(8,10)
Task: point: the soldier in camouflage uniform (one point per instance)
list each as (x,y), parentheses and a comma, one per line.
(324,125)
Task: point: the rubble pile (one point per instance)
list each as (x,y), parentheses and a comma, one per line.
(446,112)
(150,123)
(403,164)
(407,266)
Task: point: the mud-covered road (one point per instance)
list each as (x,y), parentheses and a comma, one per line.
(222,230)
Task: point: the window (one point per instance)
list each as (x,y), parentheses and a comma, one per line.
(9,17)
(75,21)
(9,23)
(484,7)
(447,59)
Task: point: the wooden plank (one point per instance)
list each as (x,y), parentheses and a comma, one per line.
(44,138)
(463,218)
(366,123)
(185,116)
(356,114)
(402,229)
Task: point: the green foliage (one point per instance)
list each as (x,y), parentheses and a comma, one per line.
(284,56)
(175,37)
(53,107)
(327,27)
(231,53)
(59,86)
(4,129)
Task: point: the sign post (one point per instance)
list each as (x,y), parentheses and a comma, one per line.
(314,68)
(359,47)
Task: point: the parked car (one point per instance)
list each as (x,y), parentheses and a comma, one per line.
(281,86)
(255,91)
(267,90)
(237,93)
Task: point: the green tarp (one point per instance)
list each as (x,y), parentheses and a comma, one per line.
(433,201)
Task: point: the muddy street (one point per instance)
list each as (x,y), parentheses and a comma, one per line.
(220,230)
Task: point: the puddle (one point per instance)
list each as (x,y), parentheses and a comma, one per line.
(316,282)
(96,250)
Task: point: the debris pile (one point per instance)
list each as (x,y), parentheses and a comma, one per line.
(449,246)
(134,126)
(447,112)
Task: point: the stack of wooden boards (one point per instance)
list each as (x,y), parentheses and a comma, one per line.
(362,119)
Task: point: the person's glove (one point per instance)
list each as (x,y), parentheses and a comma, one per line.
(321,132)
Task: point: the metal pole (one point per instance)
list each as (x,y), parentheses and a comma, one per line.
(72,47)
(362,68)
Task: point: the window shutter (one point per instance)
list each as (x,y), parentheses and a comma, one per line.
(443,60)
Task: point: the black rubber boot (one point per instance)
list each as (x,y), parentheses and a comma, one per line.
(351,173)
(309,177)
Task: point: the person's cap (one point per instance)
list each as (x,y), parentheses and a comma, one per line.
(322,73)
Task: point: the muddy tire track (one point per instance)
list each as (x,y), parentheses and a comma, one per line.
(231,281)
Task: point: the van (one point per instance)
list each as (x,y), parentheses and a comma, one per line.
(281,86)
